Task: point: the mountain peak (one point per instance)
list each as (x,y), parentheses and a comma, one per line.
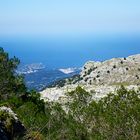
(112,72)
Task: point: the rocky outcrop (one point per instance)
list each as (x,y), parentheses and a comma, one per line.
(112,72)
(10,126)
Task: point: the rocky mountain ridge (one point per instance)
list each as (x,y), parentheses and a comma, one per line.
(100,78)
(112,72)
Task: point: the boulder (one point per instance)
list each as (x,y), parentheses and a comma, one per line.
(10,125)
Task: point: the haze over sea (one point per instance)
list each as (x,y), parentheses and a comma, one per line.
(64,52)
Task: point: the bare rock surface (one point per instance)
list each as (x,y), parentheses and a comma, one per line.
(112,72)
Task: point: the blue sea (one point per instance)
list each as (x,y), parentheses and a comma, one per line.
(67,52)
(63,52)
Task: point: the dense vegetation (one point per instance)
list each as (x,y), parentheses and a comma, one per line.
(115,117)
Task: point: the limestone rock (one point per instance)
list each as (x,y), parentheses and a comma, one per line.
(100,78)
(112,72)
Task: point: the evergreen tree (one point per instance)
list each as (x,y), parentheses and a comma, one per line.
(10,82)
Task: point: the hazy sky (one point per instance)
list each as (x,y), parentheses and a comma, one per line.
(56,17)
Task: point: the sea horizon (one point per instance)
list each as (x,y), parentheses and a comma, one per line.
(66,52)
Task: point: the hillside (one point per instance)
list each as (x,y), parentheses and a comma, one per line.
(112,72)
(100,77)
(75,113)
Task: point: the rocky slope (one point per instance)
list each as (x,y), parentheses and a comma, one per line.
(100,78)
(112,72)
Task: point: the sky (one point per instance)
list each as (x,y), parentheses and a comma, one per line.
(65,17)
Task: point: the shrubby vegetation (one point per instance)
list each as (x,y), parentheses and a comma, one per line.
(61,83)
(115,117)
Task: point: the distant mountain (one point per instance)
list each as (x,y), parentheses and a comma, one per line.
(70,70)
(30,68)
(38,77)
